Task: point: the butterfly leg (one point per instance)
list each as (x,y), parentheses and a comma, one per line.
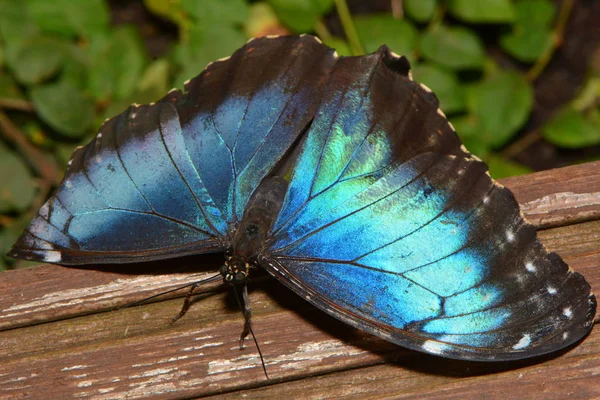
(247,315)
(187,302)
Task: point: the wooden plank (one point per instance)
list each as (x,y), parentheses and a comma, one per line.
(559,196)
(137,353)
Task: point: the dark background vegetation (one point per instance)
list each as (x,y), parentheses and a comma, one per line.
(519,79)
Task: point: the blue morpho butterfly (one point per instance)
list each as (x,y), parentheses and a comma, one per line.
(342,178)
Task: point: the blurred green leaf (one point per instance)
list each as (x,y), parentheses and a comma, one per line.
(444,84)
(571,129)
(420,10)
(527,45)
(539,13)
(16,23)
(1,53)
(340,45)
(117,61)
(170,10)
(456,47)
(531,35)
(88,18)
(37,59)
(222,11)
(377,29)
(206,43)
(16,183)
(154,82)
(9,88)
(502,168)
(502,103)
(64,107)
(469,129)
(75,68)
(301,15)
(70,18)
(482,11)
(50,17)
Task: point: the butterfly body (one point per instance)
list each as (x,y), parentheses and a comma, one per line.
(342,178)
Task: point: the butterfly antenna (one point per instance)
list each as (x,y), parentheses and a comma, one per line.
(247,325)
(193,285)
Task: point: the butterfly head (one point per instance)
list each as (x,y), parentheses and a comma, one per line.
(235,270)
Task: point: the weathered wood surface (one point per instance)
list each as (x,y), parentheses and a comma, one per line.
(60,339)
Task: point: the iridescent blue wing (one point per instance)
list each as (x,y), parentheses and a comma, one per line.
(391,226)
(172,178)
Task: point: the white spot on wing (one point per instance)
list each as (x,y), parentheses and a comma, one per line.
(551,290)
(486,199)
(99,135)
(510,236)
(394,54)
(567,312)
(335,54)
(52,256)
(441,113)
(434,347)
(224,59)
(425,88)
(565,335)
(523,343)
(68,184)
(530,267)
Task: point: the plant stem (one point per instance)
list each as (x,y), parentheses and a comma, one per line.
(559,32)
(349,28)
(16,104)
(43,166)
(397,9)
(521,144)
(322,31)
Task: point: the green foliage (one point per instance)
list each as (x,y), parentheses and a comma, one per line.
(301,15)
(116,63)
(64,107)
(574,130)
(501,103)
(531,33)
(488,11)
(420,10)
(377,29)
(453,47)
(444,84)
(16,183)
(64,59)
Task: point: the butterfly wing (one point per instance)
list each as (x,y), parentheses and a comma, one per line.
(172,178)
(392,227)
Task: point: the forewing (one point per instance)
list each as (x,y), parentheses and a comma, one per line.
(391,226)
(172,178)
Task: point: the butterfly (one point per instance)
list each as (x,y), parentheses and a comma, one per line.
(340,177)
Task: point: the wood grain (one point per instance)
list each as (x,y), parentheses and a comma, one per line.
(60,340)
